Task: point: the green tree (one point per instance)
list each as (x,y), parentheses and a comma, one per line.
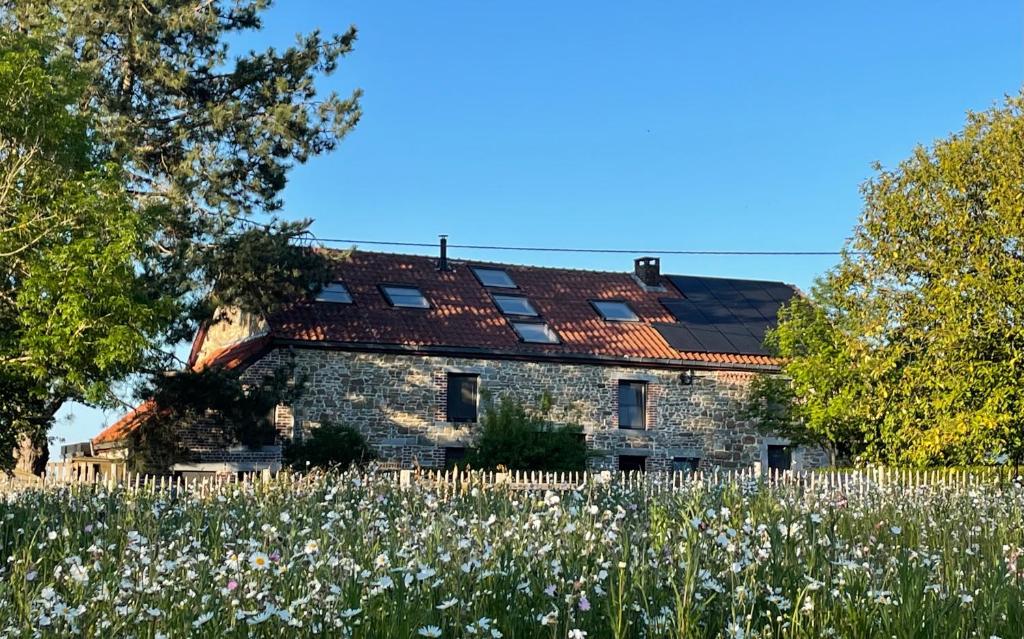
(925,312)
(329,446)
(74,312)
(518,439)
(816,399)
(173,147)
(213,400)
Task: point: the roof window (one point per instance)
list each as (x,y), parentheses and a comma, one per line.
(615,311)
(334,292)
(405,296)
(535,332)
(495,277)
(515,305)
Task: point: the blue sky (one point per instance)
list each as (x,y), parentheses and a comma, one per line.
(649,125)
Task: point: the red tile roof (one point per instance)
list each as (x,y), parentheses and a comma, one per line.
(464,316)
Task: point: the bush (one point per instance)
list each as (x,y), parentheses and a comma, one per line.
(329,446)
(511,436)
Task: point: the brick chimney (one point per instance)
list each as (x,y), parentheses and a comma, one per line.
(648,270)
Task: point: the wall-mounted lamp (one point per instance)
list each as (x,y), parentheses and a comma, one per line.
(686,377)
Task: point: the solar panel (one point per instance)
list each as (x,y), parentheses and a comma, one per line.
(679,337)
(723,315)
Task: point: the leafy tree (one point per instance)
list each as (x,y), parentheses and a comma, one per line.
(212,399)
(74,312)
(518,439)
(919,351)
(817,399)
(329,446)
(171,148)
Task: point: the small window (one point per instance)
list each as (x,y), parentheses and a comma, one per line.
(535,332)
(453,455)
(462,397)
(780,457)
(495,277)
(632,463)
(685,464)
(334,292)
(633,405)
(405,296)
(515,305)
(615,311)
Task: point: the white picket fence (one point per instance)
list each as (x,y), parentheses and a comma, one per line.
(456,480)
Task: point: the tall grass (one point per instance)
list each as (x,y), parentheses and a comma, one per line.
(360,556)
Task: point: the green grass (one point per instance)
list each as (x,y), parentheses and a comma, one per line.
(359,556)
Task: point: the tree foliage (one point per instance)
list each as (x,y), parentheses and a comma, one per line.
(519,439)
(135,152)
(330,445)
(212,400)
(912,348)
(74,313)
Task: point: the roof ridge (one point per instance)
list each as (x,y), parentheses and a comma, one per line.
(471,262)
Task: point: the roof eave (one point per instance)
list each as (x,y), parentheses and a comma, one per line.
(484,353)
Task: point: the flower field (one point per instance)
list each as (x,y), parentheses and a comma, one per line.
(347,555)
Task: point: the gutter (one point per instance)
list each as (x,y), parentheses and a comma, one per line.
(558,358)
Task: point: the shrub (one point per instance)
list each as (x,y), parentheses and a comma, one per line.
(329,446)
(513,437)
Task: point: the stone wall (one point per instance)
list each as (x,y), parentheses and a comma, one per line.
(398,402)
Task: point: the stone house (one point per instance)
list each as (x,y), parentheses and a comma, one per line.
(407,348)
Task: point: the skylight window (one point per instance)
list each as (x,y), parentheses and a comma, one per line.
(495,277)
(405,296)
(615,311)
(535,332)
(334,292)
(515,305)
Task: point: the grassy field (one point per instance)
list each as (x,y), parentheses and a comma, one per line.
(345,555)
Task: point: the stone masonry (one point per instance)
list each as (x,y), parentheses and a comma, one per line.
(398,402)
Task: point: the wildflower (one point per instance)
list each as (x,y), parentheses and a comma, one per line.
(895,530)
(576,633)
(550,590)
(966,598)
(259,561)
(312,547)
(348,613)
(445,605)
(425,573)
(549,619)
(285,517)
(429,631)
(232,584)
(584,604)
(202,619)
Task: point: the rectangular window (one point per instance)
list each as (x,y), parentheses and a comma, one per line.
(515,305)
(462,397)
(495,277)
(632,404)
(453,455)
(334,292)
(535,332)
(615,311)
(632,463)
(405,296)
(685,464)
(780,457)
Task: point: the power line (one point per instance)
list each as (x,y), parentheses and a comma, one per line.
(309,236)
(553,249)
